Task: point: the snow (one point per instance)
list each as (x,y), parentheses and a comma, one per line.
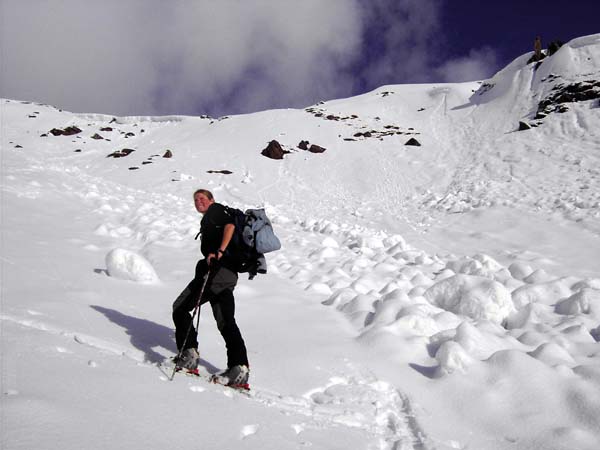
(437,297)
(128,265)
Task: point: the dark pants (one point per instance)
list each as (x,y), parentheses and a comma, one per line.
(219,292)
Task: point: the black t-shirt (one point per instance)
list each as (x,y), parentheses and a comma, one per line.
(212,227)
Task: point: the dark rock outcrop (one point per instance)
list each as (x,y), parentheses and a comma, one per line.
(413,141)
(121,153)
(168,154)
(562,94)
(274,150)
(316,149)
(69,131)
(524,126)
(303,145)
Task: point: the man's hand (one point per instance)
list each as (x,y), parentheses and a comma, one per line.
(213,258)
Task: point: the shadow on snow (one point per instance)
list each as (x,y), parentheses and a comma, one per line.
(146,336)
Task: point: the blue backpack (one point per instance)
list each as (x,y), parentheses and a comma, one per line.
(252,238)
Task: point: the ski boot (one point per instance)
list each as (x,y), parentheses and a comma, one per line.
(188,361)
(235,377)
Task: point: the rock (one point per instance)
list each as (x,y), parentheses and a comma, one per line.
(303,145)
(524,126)
(274,150)
(121,153)
(413,141)
(168,154)
(69,131)
(576,92)
(97,136)
(316,149)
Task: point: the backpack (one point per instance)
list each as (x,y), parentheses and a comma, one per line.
(252,238)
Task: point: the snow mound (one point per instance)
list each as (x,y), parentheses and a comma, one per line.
(128,265)
(472,296)
(544,293)
(585,301)
(480,264)
(451,357)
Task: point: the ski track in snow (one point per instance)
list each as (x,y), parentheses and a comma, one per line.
(358,401)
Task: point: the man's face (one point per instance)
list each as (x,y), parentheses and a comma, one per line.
(202,202)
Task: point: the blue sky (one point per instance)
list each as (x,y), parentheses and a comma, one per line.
(151,57)
(510,26)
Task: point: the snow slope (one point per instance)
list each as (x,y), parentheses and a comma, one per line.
(442,296)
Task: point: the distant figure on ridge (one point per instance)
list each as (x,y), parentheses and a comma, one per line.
(537,48)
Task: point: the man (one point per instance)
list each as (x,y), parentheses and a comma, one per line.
(216,228)
(537,49)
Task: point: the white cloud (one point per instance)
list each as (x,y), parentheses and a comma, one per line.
(136,56)
(82,55)
(480,64)
(131,57)
(263,52)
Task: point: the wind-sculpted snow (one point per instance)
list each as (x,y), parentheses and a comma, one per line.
(404,292)
(128,265)
(472,296)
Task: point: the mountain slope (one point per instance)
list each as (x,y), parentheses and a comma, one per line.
(429,297)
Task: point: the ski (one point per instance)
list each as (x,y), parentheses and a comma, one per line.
(213,379)
(216,379)
(191,372)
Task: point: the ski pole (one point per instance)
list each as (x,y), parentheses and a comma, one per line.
(196,309)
